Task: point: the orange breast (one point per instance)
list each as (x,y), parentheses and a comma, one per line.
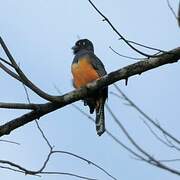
(83,73)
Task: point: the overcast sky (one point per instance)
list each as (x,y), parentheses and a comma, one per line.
(40,35)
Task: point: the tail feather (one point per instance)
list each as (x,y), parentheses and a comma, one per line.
(100,120)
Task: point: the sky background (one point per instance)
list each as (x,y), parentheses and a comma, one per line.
(40,35)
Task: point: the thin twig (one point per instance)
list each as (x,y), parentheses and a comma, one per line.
(67,174)
(7,141)
(12,169)
(8,71)
(172,10)
(124,56)
(6,62)
(151,160)
(170,160)
(44,136)
(86,160)
(132,104)
(90,118)
(109,134)
(23,78)
(146,116)
(47,172)
(117,32)
(37,124)
(155,134)
(148,47)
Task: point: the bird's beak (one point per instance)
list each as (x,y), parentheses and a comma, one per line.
(74,47)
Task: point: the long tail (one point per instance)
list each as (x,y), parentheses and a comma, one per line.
(100,119)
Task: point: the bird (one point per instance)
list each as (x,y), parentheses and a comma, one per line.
(86,67)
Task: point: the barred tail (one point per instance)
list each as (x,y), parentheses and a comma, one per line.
(100,121)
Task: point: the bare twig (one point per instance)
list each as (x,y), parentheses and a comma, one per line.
(41,170)
(124,56)
(146,116)
(119,34)
(170,160)
(148,47)
(11,169)
(86,160)
(148,158)
(9,72)
(170,141)
(7,141)
(45,172)
(67,174)
(22,76)
(156,135)
(6,62)
(92,120)
(110,134)
(172,10)
(167,142)
(107,131)
(177,17)
(43,135)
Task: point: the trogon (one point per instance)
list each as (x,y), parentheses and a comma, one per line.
(87,67)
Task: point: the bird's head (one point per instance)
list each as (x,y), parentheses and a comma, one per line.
(83,44)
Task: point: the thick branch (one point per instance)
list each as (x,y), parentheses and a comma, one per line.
(20,106)
(123,73)
(21,76)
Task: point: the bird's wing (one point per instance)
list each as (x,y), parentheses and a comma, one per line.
(97,64)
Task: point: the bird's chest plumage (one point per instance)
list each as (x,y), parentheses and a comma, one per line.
(83,72)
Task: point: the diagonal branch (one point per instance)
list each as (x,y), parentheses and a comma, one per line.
(6,62)
(174,13)
(21,76)
(121,36)
(68,98)
(8,71)
(146,156)
(20,169)
(20,106)
(172,10)
(131,103)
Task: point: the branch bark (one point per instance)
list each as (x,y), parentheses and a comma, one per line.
(20,106)
(61,101)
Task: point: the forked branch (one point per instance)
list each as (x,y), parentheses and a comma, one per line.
(68,98)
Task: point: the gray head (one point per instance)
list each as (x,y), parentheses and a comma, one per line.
(83,44)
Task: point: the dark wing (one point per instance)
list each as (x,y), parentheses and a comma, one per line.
(97,64)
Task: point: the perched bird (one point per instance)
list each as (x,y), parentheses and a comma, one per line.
(87,67)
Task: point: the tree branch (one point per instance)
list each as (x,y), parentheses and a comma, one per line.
(129,43)
(21,76)
(145,155)
(20,106)
(123,73)
(132,104)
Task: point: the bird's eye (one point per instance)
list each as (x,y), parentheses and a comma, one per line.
(78,43)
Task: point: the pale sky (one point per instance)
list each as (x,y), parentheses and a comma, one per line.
(40,35)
